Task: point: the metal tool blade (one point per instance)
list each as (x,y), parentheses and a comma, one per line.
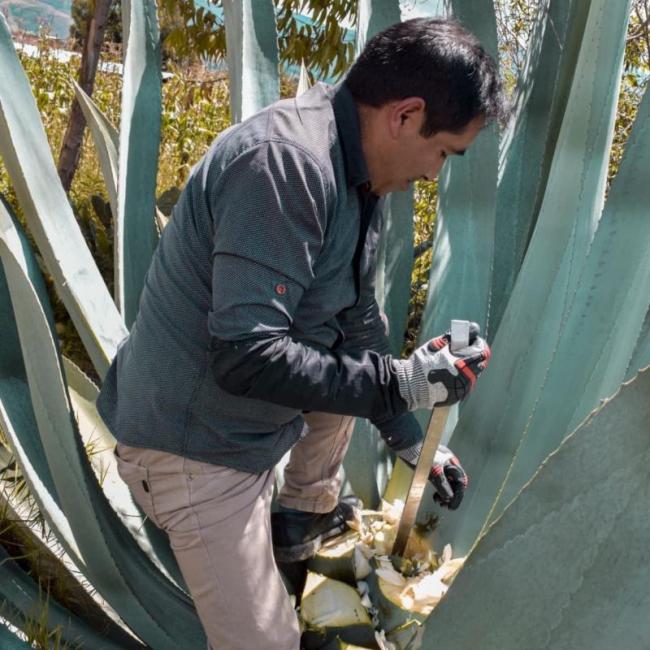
(420,477)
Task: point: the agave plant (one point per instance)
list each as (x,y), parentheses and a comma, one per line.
(525,244)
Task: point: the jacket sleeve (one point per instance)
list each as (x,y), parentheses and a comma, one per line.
(270,210)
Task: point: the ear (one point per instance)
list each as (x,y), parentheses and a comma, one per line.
(406,116)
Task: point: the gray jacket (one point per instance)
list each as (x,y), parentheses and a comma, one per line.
(259,303)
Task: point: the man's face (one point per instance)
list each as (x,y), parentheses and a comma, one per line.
(412,156)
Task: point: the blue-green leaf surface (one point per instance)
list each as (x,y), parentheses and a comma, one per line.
(493,421)
(641,355)
(373,17)
(17,418)
(607,312)
(566,566)
(158,612)
(529,141)
(22,601)
(9,641)
(107,143)
(135,232)
(461,267)
(459,281)
(252,54)
(27,157)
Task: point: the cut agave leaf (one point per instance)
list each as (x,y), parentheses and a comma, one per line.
(336,558)
(399,483)
(107,143)
(135,230)
(386,593)
(566,565)
(333,609)
(27,157)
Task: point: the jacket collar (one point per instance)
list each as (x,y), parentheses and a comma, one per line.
(349,128)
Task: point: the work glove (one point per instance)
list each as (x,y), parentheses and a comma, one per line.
(447,475)
(436,375)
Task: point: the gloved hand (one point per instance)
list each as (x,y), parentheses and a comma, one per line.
(434,374)
(447,475)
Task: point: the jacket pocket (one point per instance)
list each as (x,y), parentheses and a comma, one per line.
(137,478)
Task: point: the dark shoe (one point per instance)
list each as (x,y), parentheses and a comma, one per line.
(298,535)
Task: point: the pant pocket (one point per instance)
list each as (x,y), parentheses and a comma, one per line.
(137,478)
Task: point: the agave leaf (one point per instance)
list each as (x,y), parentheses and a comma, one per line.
(99,442)
(606,314)
(459,281)
(495,416)
(367,464)
(9,641)
(463,249)
(6,455)
(641,355)
(303,80)
(33,551)
(373,16)
(529,142)
(395,265)
(158,612)
(25,601)
(252,54)
(566,566)
(16,409)
(135,230)
(107,142)
(26,155)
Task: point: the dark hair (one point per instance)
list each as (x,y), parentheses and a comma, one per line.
(433,58)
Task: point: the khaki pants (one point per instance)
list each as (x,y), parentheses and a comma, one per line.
(218,522)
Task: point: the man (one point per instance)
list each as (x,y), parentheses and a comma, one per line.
(258,330)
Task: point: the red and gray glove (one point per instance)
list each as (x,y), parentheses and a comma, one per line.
(436,375)
(447,475)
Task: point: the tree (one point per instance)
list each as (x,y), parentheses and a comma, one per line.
(93,39)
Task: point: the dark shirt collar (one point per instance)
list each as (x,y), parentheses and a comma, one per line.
(349,128)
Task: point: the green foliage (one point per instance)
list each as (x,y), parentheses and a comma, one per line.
(321,45)
(194,31)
